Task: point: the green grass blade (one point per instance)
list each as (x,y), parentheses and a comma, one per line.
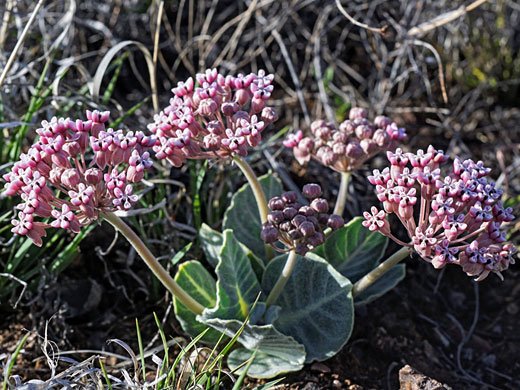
(12,359)
(141,349)
(242,376)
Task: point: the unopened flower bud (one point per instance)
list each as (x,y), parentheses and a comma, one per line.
(347,127)
(289,212)
(335,222)
(269,115)
(298,220)
(72,148)
(320,205)
(357,112)
(229,108)
(354,150)
(290,196)
(368,146)
(306,211)
(207,106)
(311,191)
(276,203)
(316,239)
(93,175)
(382,121)
(275,217)
(269,234)
(70,177)
(307,228)
(363,131)
(381,138)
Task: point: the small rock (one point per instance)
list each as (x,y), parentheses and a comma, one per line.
(411,379)
(311,386)
(320,367)
(336,384)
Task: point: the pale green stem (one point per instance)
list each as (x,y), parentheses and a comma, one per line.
(282,279)
(153,264)
(258,192)
(342,194)
(380,270)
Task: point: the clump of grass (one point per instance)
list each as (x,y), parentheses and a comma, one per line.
(194,367)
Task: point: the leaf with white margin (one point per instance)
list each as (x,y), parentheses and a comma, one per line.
(316,305)
(196,281)
(277,353)
(237,285)
(211,242)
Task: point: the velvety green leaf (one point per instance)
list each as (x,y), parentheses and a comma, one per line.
(237,285)
(316,305)
(381,286)
(196,281)
(277,352)
(353,250)
(211,242)
(242,215)
(264,365)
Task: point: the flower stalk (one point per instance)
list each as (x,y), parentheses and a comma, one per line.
(282,279)
(342,194)
(258,192)
(152,263)
(380,270)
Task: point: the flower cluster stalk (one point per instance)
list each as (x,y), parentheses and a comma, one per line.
(152,263)
(282,279)
(258,192)
(363,283)
(342,194)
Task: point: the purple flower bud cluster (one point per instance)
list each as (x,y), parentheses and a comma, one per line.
(459,216)
(298,227)
(219,118)
(73,171)
(346,148)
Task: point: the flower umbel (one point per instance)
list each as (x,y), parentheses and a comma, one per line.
(74,171)
(459,215)
(219,118)
(298,227)
(346,148)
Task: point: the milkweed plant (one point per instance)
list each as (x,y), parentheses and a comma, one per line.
(285,261)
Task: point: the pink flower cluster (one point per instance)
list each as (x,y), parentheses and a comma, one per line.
(211,119)
(55,179)
(459,216)
(346,148)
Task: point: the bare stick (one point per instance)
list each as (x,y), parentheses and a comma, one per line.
(359,24)
(20,42)
(441,20)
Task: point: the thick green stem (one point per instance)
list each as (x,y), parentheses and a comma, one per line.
(380,270)
(153,264)
(282,279)
(342,194)
(258,192)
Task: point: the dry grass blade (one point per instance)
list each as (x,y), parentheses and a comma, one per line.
(24,285)
(131,353)
(441,20)
(109,56)
(379,30)
(19,43)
